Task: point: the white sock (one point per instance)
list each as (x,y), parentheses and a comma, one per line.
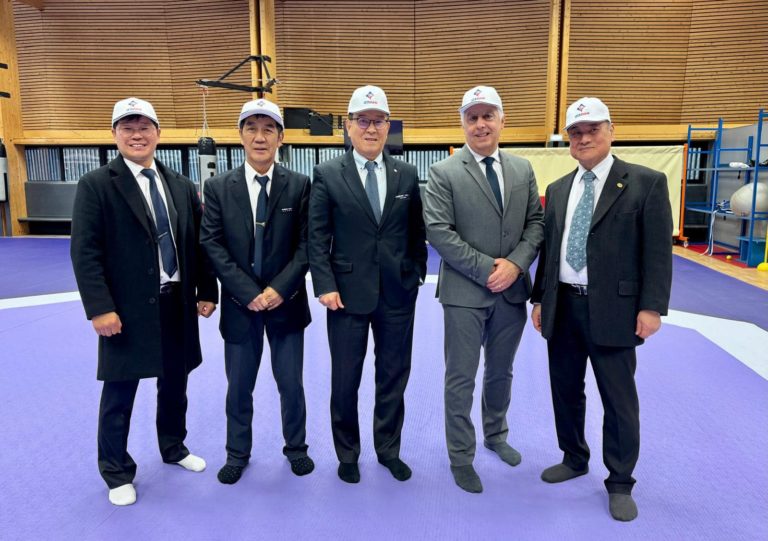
(123,495)
(192,463)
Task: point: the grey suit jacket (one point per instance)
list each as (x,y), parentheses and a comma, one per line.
(469,231)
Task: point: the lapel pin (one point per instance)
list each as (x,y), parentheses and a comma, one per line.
(619,185)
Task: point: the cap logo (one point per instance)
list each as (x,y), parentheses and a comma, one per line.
(132,103)
(260,103)
(580,107)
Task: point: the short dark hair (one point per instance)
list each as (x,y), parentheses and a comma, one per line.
(259,115)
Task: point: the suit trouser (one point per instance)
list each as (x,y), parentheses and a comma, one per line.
(614,370)
(392,329)
(242,363)
(115,463)
(497,329)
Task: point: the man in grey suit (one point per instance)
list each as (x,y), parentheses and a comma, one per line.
(484,217)
(602,285)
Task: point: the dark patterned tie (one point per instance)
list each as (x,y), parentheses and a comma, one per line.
(258,230)
(493,180)
(576,249)
(372,190)
(162,224)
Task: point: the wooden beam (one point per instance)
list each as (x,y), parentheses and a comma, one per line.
(267,40)
(553,69)
(10,119)
(562,105)
(411,136)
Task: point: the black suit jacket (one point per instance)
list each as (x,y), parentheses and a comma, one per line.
(629,252)
(352,254)
(227,237)
(115,259)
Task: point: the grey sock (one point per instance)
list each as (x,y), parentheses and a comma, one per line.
(466,477)
(506,452)
(622,507)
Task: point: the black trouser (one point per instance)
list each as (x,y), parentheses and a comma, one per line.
(348,338)
(614,370)
(242,363)
(115,463)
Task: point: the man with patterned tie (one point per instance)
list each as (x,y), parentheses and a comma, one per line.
(602,283)
(484,218)
(368,257)
(255,233)
(143,280)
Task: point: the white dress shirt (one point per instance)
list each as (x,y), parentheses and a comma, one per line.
(601,170)
(144,187)
(496,167)
(381,174)
(254,188)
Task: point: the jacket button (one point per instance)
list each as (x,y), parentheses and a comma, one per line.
(152,300)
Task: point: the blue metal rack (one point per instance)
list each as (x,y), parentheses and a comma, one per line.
(749,247)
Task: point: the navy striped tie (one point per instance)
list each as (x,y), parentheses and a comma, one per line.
(162,224)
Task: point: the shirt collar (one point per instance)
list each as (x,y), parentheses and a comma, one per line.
(136,169)
(361,160)
(250,172)
(601,170)
(479,157)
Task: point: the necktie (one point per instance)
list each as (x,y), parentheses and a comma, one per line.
(258,230)
(576,249)
(372,190)
(493,180)
(163,226)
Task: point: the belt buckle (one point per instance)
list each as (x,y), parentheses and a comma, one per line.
(167,288)
(580,289)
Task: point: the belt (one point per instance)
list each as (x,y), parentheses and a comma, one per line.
(574,289)
(169,288)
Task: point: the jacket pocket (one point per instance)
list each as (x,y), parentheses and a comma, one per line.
(341,266)
(628,288)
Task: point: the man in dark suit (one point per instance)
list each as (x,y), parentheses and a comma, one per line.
(602,283)
(143,283)
(484,218)
(367,256)
(255,233)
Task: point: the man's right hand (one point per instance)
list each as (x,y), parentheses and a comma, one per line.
(331,300)
(536,317)
(107,324)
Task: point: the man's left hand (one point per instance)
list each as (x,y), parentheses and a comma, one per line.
(648,322)
(504,275)
(205,308)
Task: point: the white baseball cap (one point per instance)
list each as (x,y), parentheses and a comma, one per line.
(134,106)
(481,94)
(586,110)
(260,106)
(368,98)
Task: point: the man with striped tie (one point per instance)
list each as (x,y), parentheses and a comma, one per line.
(602,285)
(143,281)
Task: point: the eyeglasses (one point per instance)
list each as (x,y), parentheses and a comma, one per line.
(363,122)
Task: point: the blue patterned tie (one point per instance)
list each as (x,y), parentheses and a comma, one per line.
(576,250)
(163,226)
(372,190)
(261,222)
(493,180)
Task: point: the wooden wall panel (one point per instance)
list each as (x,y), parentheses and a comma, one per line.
(497,43)
(420,52)
(326,49)
(631,54)
(727,69)
(78,58)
